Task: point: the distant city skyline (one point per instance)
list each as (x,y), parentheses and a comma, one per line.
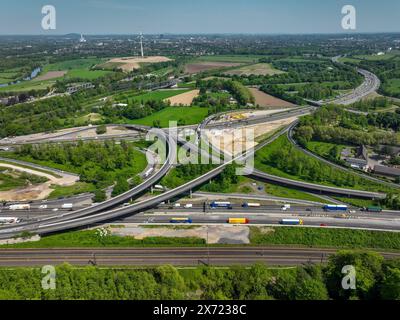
(91,17)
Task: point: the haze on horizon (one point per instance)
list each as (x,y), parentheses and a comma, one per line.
(198,17)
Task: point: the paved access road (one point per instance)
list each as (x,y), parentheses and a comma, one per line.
(175,256)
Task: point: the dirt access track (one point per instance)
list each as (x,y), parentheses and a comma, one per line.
(133,63)
(39,191)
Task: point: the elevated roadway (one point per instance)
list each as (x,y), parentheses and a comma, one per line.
(256,174)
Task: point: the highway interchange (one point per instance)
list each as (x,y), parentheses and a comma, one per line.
(148,210)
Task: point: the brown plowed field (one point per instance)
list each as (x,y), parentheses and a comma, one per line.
(268,101)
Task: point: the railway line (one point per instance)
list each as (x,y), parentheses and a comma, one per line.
(220,256)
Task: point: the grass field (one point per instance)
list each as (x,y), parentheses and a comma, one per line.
(359,203)
(319,237)
(91,238)
(393,86)
(323,148)
(349,60)
(79,68)
(28,85)
(183,115)
(279,191)
(375,57)
(77,188)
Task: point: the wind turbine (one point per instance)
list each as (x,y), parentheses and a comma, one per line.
(141,44)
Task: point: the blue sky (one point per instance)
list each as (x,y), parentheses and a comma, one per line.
(197,16)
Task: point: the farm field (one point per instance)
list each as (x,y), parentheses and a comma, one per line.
(185,99)
(152,95)
(198,67)
(258,69)
(51,75)
(79,68)
(183,115)
(267,101)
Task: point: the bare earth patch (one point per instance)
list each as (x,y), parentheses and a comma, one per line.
(248,115)
(35,192)
(198,67)
(51,75)
(228,234)
(268,101)
(232,142)
(131,63)
(185,99)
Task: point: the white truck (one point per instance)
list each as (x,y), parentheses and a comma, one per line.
(285,207)
(20,207)
(67,206)
(9,220)
(251,205)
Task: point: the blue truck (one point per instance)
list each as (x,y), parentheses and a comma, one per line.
(334,207)
(218,204)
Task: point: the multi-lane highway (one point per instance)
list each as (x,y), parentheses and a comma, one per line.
(276,256)
(371,84)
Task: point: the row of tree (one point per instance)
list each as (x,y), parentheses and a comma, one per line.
(375,278)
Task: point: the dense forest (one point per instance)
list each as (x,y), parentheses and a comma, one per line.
(102,164)
(375,279)
(185,173)
(336,125)
(242,95)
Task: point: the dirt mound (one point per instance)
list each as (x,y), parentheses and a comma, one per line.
(132,63)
